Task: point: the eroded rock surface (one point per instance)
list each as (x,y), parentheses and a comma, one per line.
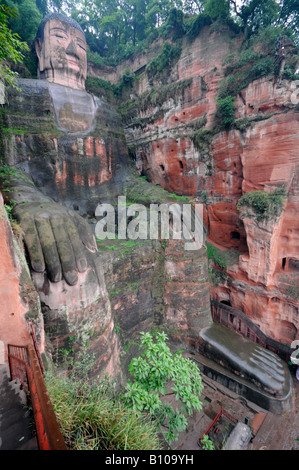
(217,167)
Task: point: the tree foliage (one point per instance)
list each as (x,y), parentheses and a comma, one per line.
(159,374)
(26,19)
(115,29)
(11,47)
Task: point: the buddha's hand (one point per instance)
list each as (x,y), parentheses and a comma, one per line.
(56,240)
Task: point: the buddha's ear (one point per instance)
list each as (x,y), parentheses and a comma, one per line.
(40,54)
(38,47)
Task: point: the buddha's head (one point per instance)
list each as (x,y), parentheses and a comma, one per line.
(61,49)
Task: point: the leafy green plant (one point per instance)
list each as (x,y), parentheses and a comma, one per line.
(95,58)
(194,25)
(225,111)
(6,170)
(126,81)
(217,256)
(261,204)
(240,76)
(216,9)
(158,374)
(11,47)
(160,64)
(9,209)
(206,443)
(99,86)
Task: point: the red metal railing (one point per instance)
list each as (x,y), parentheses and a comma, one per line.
(24,365)
(32,332)
(221,412)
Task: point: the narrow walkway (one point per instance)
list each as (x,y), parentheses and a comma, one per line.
(280,432)
(15,419)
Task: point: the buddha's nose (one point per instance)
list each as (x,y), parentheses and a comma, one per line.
(72,50)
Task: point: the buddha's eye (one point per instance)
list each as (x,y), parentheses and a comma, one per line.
(80,44)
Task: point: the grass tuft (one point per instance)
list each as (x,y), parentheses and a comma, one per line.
(92,417)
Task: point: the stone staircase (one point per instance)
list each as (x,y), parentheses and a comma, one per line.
(16,422)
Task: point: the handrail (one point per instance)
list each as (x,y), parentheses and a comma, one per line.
(221,412)
(32,332)
(24,365)
(236,320)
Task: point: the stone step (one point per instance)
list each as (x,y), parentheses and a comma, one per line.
(16,423)
(29,445)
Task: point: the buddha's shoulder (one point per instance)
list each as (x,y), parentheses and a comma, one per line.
(29,96)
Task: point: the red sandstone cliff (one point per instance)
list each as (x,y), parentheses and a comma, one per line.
(19,301)
(262,155)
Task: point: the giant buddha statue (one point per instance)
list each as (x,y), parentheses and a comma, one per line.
(64,162)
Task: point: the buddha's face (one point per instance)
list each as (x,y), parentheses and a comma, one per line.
(62,55)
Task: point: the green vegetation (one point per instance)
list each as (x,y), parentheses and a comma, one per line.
(140,191)
(152,97)
(130,287)
(206,443)
(217,256)
(216,276)
(26,18)
(99,86)
(225,111)
(243,123)
(161,64)
(115,30)
(7,171)
(157,374)
(194,24)
(9,209)
(254,59)
(239,78)
(121,247)
(11,48)
(92,416)
(262,205)
(221,260)
(242,69)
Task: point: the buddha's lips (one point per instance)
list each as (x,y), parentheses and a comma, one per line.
(73,62)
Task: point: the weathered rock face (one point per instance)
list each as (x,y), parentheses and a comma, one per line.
(19,300)
(154,284)
(187,296)
(218,167)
